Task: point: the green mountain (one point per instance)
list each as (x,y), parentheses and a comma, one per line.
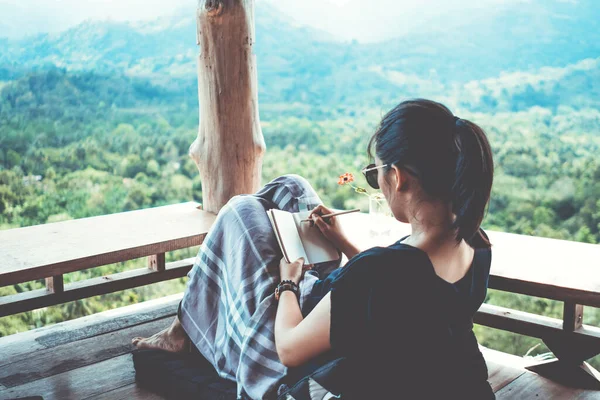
(302,65)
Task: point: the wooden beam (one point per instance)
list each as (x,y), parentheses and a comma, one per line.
(531,324)
(26,344)
(80,346)
(79,383)
(544,290)
(156,262)
(27,301)
(53,361)
(230,146)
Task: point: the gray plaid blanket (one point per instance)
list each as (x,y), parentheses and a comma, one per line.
(229,308)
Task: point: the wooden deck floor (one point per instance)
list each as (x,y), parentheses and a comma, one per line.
(90,358)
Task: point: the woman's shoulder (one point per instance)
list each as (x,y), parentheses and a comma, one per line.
(396,258)
(483,253)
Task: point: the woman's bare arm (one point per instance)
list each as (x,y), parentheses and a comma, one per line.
(298,340)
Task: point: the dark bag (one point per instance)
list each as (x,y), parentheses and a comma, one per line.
(180,376)
(191,376)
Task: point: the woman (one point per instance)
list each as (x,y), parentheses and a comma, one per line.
(401,315)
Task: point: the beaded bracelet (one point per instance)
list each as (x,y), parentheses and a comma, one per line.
(287,285)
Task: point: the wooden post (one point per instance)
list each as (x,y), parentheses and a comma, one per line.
(55,284)
(572,316)
(157,262)
(230,146)
(569,367)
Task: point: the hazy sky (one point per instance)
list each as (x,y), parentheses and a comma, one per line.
(20,17)
(346,19)
(371,20)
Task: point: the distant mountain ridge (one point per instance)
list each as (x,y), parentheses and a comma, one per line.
(299,64)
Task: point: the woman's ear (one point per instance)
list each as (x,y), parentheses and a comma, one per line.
(400,179)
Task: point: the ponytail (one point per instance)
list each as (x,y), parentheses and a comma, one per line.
(451,158)
(472,182)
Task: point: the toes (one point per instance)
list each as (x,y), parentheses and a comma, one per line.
(136,340)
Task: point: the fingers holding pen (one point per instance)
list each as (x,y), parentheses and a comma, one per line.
(320,210)
(321,224)
(317,212)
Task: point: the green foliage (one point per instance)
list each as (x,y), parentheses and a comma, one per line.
(13,158)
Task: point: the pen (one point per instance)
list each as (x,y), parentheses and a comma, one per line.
(334,214)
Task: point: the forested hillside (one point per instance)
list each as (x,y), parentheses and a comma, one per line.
(99,119)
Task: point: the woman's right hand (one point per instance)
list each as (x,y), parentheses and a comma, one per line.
(330,227)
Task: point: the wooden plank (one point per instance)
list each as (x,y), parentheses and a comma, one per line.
(20,345)
(502,368)
(554,263)
(546,291)
(72,355)
(41,251)
(534,386)
(156,262)
(26,301)
(128,392)
(79,383)
(516,321)
(530,324)
(54,284)
(572,316)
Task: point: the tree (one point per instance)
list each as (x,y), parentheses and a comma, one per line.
(132,165)
(12,158)
(229,132)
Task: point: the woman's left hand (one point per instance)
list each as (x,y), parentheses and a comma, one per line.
(293,271)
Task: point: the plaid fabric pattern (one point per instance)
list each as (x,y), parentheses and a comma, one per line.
(229,306)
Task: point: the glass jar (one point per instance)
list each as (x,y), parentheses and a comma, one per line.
(380,215)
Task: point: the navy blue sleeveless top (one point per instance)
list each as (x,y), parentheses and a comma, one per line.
(407,332)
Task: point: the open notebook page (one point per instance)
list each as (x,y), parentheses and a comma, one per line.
(288,237)
(317,247)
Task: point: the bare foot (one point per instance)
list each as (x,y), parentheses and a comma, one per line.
(173,339)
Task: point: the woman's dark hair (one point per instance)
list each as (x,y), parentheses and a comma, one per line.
(451,157)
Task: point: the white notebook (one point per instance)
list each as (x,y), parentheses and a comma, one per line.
(299,239)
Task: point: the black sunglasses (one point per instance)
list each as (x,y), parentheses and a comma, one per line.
(370,173)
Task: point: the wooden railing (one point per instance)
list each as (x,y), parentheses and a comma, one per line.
(52,250)
(547,268)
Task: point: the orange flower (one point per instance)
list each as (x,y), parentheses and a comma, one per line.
(346,178)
